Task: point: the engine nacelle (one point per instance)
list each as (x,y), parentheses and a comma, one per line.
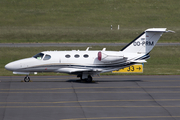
(109,57)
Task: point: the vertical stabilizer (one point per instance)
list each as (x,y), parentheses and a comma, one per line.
(144,43)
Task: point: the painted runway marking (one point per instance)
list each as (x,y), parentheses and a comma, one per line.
(100,92)
(64,79)
(127,87)
(90,101)
(128,117)
(89,106)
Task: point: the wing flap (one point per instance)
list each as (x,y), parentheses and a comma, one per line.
(76,70)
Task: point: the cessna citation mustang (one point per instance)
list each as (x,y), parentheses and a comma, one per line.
(86,64)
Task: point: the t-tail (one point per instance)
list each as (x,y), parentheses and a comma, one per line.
(145,42)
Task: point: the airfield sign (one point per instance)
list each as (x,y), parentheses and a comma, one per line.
(137,68)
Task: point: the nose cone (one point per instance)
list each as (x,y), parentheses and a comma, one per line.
(19,64)
(10,66)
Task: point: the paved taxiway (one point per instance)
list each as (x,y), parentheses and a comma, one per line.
(108,98)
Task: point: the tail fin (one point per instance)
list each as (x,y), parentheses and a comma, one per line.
(145,42)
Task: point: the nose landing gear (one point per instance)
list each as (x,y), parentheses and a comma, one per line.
(27,78)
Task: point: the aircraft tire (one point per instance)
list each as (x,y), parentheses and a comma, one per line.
(89,79)
(27,79)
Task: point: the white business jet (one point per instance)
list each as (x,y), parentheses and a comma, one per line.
(86,64)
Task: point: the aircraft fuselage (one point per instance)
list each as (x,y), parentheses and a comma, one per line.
(72,62)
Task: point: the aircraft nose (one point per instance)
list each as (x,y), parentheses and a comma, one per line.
(19,64)
(9,66)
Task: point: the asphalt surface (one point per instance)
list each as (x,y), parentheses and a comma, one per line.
(74,44)
(107,98)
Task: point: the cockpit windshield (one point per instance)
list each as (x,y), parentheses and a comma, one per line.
(39,56)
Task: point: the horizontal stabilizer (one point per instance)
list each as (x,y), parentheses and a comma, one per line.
(139,61)
(171,31)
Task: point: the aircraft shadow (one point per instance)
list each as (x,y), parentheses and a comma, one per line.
(77,81)
(98,81)
(81,81)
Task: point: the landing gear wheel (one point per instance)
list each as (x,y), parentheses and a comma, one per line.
(27,79)
(89,79)
(81,80)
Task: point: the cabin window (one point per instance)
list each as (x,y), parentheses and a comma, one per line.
(86,56)
(47,57)
(67,56)
(39,56)
(76,56)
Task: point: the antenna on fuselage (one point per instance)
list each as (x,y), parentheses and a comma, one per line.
(104,49)
(88,48)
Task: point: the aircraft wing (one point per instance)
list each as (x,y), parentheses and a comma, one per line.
(81,70)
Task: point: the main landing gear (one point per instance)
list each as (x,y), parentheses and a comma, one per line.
(88,79)
(27,78)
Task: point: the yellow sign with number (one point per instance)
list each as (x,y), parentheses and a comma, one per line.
(137,68)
